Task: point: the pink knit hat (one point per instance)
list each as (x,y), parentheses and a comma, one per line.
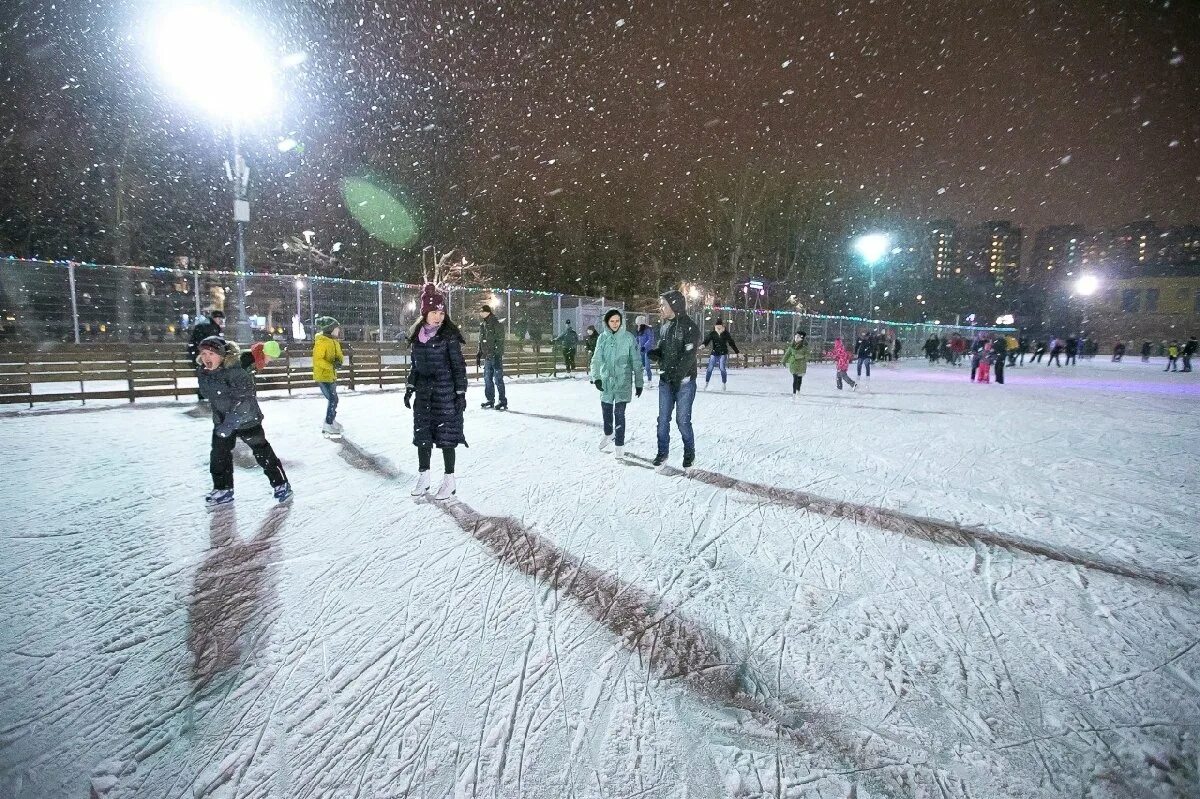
(431,300)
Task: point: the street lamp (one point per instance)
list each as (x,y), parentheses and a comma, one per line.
(214,61)
(1087,285)
(871,247)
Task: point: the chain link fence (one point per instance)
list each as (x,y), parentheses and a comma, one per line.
(60,301)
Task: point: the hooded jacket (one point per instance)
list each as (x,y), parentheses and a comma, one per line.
(326,358)
(841,356)
(720,343)
(795,357)
(491,337)
(229,389)
(617,365)
(678,340)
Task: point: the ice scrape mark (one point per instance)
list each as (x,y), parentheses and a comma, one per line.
(935,530)
(555,418)
(359,458)
(678,648)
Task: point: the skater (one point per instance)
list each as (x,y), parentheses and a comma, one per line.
(1172,356)
(1056,348)
(491,357)
(958,347)
(616,371)
(678,340)
(931,349)
(260,355)
(1072,350)
(205,326)
(1023,349)
(896,346)
(999,354)
(1011,346)
(976,355)
(841,362)
(1118,351)
(1038,350)
(229,389)
(567,342)
(436,390)
(865,350)
(986,357)
(590,338)
(1146,352)
(645,340)
(326,359)
(795,358)
(719,343)
(1189,349)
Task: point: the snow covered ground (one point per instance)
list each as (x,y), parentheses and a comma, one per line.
(925,588)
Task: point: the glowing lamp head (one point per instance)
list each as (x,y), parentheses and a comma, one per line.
(872,247)
(215,62)
(1087,285)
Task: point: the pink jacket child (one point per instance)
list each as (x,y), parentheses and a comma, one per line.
(984,374)
(841,361)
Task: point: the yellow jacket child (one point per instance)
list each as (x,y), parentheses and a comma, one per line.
(327,351)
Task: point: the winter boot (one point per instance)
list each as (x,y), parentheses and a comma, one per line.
(604,442)
(688,459)
(503,406)
(660,459)
(283,492)
(487,405)
(218,496)
(620,453)
(447,489)
(422,485)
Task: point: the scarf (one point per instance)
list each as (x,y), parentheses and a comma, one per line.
(427,332)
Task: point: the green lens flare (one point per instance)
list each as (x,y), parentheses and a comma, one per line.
(380,213)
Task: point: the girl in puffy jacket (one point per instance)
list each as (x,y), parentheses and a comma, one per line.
(841,362)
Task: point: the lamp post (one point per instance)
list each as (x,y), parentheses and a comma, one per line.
(871,247)
(215,63)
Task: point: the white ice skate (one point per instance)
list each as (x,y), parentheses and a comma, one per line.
(331,430)
(422,486)
(724,386)
(620,454)
(337,427)
(705,386)
(447,489)
(605,442)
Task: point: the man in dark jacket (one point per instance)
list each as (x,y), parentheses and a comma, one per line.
(678,340)
(1072,350)
(1189,349)
(865,350)
(491,357)
(1000,350)
(719,343)
(205,326)
(568,340)
(229,389)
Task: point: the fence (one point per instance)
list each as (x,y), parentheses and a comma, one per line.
(67,302)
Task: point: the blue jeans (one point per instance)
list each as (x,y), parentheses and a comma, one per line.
(680,400)
(867,360)
(646,366)
(614,421)
(330,392)
(715,361)
(493,378)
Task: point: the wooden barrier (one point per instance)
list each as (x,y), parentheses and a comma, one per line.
(82,372)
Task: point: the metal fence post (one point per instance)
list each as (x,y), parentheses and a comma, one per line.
(74,302)
(510,313)
(196,291)
(379,301)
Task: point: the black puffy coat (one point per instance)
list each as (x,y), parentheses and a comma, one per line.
(438,373)
(720,343)
(678,340)
(230,391)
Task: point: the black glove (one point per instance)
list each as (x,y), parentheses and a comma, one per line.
(599,385)
(460,402)
(637,391)
(408,393)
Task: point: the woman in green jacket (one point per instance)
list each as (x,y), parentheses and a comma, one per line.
(616,371)
(795,358)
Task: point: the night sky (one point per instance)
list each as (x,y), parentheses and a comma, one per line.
(1083,112)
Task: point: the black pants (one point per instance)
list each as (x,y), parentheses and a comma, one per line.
(1187,362)
(220,459)
(1054,360)
(1172,364)
(569,360)
(1070,359)
(425,455)
(796,381)
(613,415)
(999,369)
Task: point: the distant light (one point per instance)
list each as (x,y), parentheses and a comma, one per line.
(872,247)
(1087,285)
(286,145)
(215,61)
(299,283)
(293,60)
(1007,319)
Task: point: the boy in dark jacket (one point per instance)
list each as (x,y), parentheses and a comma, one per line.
(678,340)
(865,351)
(229,389)
(491,357)
(1189,349)
(204,327)
(719,343)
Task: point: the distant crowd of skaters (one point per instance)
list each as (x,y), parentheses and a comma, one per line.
(988,350)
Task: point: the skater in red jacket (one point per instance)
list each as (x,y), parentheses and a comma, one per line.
(841,362)
(984,375)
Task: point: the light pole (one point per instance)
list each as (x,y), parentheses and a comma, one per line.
(215,62)
(871,247)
